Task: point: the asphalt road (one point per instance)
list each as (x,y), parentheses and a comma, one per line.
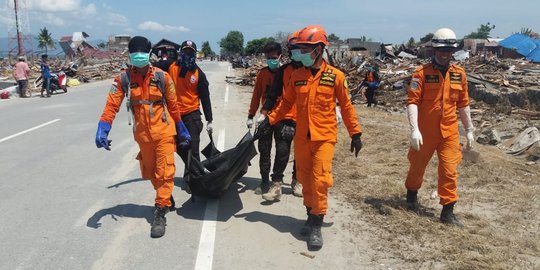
(64,204)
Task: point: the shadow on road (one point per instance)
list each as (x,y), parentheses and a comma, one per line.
(284,224)
(123,210)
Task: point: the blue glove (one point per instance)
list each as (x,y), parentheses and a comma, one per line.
(101,135)
(182,134)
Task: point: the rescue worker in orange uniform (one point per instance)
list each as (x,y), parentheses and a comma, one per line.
(285,129)
(438,91)
(314,90)
(157,123)
(263,82)
(191,91)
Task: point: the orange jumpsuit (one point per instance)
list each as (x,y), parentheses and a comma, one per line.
(154,136)
(316,128)
(437,98)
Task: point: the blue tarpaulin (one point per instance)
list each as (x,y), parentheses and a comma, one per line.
(524,45)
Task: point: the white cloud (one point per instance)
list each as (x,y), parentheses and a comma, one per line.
(115,19)
(52,19)
(89,10)
(54,5)
(155,26)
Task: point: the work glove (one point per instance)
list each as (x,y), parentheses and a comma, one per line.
(182,134)
(101,135)
(465,116)
(356,143)
(339,118)
(287,131)
(470,140)
(416,136)
(373,85)
(416,139)
(249,122)
(264,127)
(260,119)
(209,128)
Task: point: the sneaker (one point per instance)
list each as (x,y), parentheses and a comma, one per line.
(158,225)
(296,188)
(274,194)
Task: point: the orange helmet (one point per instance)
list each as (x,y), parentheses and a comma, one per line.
(292,39)
(312,34)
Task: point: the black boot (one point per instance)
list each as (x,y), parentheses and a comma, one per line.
(173,204)
(448,217)
(315,241)
(158,225)
(306,229)
(412,200)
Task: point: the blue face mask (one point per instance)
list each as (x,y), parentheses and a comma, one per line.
(139,59)
(295,55)
(272,63)
(187,61)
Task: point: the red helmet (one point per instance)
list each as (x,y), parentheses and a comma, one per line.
(312,34)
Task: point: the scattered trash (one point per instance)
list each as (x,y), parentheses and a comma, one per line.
(309,255)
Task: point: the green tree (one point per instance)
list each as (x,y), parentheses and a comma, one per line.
(426,38)
(411,43)
(482,32)
(205,48)
(233,43)
(102,45)
(45,40)
(256,46)
(332,37)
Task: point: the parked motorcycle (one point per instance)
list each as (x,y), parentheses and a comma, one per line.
(58,82)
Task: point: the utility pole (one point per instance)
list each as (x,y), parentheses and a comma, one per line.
(19,36)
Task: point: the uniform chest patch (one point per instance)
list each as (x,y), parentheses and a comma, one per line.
(134,85)
(193,79)
(328,79)
(455,77)
(113,88)
(297,83)
(153,82)
(431,78)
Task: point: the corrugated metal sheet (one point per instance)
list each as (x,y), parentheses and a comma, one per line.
(534,56)
(523,44)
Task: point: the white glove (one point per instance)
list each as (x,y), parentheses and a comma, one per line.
(465,116)
(416,136)
(209,128)
(260,119)
(338,115)
(249,123)
(416,139)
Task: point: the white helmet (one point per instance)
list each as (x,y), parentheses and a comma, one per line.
(444,37)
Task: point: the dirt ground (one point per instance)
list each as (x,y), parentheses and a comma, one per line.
(499,204)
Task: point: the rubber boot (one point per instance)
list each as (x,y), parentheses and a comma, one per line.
(412,200)
(315,241)
(306,229)
(158,225)
(448,217)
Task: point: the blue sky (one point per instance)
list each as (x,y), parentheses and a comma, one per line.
(391,21)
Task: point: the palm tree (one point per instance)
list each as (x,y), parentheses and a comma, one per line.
(45,40)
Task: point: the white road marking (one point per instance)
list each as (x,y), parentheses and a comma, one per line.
(226,94)
(205,254)
(28,130)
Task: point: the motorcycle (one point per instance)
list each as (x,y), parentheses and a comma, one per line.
(58,81)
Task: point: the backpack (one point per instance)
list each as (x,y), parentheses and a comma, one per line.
(125,81)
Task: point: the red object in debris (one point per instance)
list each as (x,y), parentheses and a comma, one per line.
(4,95)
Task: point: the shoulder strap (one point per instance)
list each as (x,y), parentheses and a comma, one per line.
(125,82)
(160,78)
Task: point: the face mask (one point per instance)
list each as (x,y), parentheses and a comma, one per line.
(272,63)
(295,55)
(139,59)
(187,61)
(306,59)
